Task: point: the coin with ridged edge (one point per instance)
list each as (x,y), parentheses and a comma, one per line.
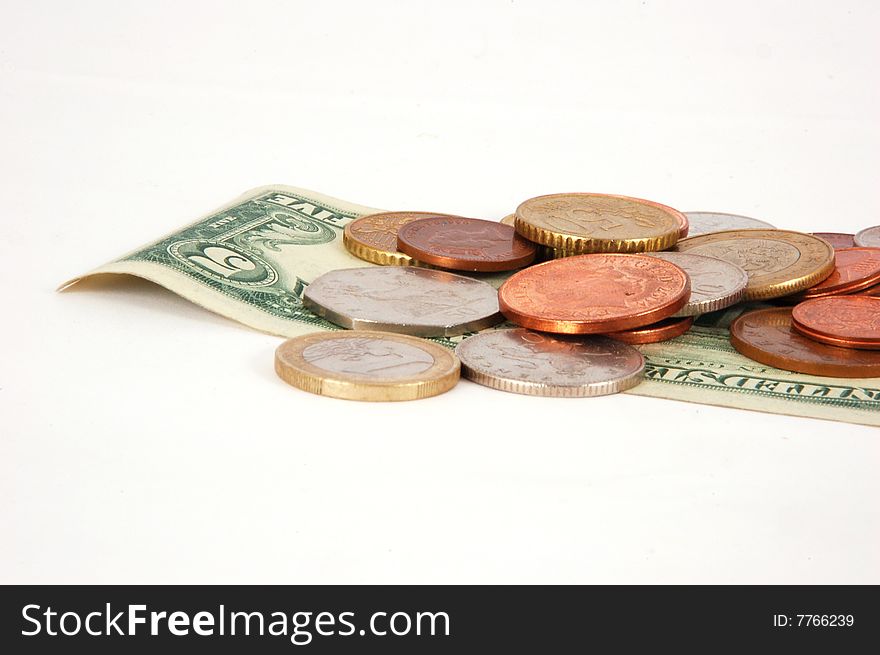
(373,237)
(778,262)
(416,301)
(578,223)
(715,283)
(535,364)
(376,366)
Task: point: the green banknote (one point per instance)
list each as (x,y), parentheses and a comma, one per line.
(251,259)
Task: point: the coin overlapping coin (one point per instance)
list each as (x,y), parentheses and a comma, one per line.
(778,262)
(767,336)
(416,301)
(577,223)
(591,294)
(855,269)
(845,321)
(374,237)
(664,330)
(367,365)
(837,240)
(711,222)
(715,283)
(527,362)
(465,244)
(868,238)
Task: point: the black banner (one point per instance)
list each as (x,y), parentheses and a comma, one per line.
(415,619)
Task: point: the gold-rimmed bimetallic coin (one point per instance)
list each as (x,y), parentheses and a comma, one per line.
(778,262)
(376,366)
(579,223)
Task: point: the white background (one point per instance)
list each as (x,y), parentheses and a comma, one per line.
(147,440)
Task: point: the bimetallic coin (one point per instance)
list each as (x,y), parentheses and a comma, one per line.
(710,222)
(836,239)
(590,294)
(778,262)
(465,244)
(854,269)
(868,238)
(664,330)
(374,237)
(366,365)
(845,321)
(579,223)
(417,301)
(522,361)
(715,283)
(766,336)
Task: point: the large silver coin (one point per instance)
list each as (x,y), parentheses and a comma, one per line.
(709,222)
(715,283)
(419,302)
(868,238)
(536,364)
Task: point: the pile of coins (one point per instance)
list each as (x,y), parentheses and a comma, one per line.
(594,275)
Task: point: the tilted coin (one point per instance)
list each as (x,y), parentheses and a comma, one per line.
(417,301)
(374,237)
(664,330)
(710,222)
(845,321)
(836,239)
(579,223)
(366,365)
(854,269)
(465,244)
(510,220)
(868,238)
(522,361)
(766,336)
(715,283)
(778,262)
(590,294)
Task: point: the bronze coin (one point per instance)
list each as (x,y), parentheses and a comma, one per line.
(854,269)
(465,244)
(666,329)
(837,239)
(846,321)
(594,294)
(374,237)
(766,336)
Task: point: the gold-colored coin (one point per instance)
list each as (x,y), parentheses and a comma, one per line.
(365,365)
(778,262)
(374,237)
(578,223)
(544,253)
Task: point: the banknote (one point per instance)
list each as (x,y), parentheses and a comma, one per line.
(251,259)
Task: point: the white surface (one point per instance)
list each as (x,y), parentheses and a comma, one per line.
(146,440)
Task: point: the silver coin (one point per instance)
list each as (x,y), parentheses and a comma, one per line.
(868,238)
(402,299)
(715,283)
(709,222)
(536,364)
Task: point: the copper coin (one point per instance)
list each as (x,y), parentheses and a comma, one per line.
(465,244)
(766,336)
(684,225)
(854,269)
(847,321)
(873,291)
(591,294)
(374,237)
(666,329)
(836,239)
